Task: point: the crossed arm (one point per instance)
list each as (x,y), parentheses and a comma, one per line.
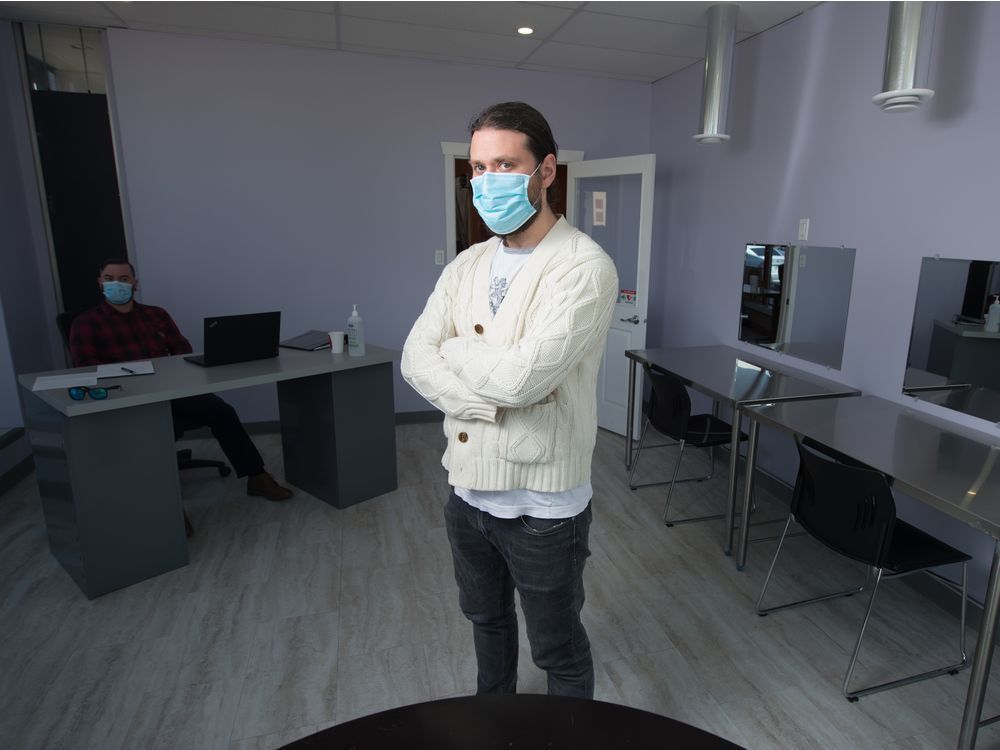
(468,378)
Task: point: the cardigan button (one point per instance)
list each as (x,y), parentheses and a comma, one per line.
(463,437)
(478,328)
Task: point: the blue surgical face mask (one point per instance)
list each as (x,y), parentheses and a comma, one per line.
(117,292)
(501,198)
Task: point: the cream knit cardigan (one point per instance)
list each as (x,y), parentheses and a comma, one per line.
(518,390)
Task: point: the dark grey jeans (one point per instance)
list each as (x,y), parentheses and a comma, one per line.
(543,559)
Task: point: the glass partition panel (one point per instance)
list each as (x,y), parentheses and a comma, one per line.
(795,300)
(954,360)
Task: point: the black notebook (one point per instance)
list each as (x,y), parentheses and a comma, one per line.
(309,341)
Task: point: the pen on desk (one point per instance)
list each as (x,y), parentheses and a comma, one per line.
(130,372)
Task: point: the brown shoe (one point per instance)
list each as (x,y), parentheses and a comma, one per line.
(263,485)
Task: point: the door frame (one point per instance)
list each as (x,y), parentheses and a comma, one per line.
(645,166)
(453,150)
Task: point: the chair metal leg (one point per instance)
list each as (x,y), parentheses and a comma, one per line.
(762,611)
(635,458)
(673,481)
(854,695)
(696,519)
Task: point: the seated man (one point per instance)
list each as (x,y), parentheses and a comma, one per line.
(122,330)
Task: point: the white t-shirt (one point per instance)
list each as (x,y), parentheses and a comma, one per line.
(515,503)
(506,263)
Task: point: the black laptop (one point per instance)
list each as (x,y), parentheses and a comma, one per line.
(239,338)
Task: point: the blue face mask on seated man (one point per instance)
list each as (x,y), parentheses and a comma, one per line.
(117,292)
(501,198)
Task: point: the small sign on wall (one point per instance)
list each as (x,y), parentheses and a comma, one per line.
(626,296)
(600,209)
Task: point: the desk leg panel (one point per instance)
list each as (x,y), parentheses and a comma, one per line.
(338,434)
(110,492)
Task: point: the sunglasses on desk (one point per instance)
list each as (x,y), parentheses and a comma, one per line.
(98,393)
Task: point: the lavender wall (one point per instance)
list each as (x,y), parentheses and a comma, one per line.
(270,177)
(808,142)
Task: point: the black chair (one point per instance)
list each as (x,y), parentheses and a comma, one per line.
(849,508)
(669,413)
(185,460)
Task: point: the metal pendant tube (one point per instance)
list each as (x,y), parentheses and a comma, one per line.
(719,48)
(907,56)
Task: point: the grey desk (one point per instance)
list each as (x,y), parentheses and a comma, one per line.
(728,375)
(107,470)
(954,470)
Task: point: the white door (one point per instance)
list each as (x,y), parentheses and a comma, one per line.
(612,201)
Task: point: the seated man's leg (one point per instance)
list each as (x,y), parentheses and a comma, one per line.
(546,559)
(221,418)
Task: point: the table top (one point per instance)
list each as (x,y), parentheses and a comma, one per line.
(174,377)
(968,331)
(731,375)
(512,722)
(945,465)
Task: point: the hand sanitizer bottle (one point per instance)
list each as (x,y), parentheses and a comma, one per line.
(355,334)
(993,316)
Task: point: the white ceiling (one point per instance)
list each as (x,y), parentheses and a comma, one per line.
(639,41)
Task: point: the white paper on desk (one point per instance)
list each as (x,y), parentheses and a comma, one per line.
(125,369)
(51,382)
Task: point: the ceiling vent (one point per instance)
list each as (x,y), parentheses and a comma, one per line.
(719,44)
(907,57)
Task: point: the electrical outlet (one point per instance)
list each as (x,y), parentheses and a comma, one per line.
(803,229)
(439,257)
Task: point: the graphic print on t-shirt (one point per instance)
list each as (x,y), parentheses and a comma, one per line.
(506,264)
(498,290)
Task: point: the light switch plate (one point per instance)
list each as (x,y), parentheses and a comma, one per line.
(803,229)
(439,257)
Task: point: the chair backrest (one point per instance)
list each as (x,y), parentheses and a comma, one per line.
(64,321)
(849,508)
(669,403)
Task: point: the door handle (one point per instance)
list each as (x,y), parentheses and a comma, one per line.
(634,320)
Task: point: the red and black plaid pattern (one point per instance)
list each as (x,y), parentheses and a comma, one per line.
(102,335)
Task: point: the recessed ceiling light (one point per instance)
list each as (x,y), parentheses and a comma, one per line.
(525,30)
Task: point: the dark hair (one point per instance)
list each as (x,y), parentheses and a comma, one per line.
(522,118)
(116,262)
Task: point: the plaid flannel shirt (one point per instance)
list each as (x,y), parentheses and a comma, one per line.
(102,335)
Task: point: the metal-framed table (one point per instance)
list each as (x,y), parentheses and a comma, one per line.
(107,470)
(733,377)
(944,465)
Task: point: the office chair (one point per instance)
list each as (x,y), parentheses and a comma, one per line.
(850,509)
(670,414)
(185,460)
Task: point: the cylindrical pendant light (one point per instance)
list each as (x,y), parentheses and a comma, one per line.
(720,41)
(907,57)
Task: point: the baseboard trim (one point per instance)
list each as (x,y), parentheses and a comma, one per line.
(15,474)
(419,417)
(11,436)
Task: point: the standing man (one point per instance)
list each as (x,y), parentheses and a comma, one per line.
(508,347)
(122,330)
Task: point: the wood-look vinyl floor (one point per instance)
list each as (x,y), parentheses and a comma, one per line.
(292,617)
